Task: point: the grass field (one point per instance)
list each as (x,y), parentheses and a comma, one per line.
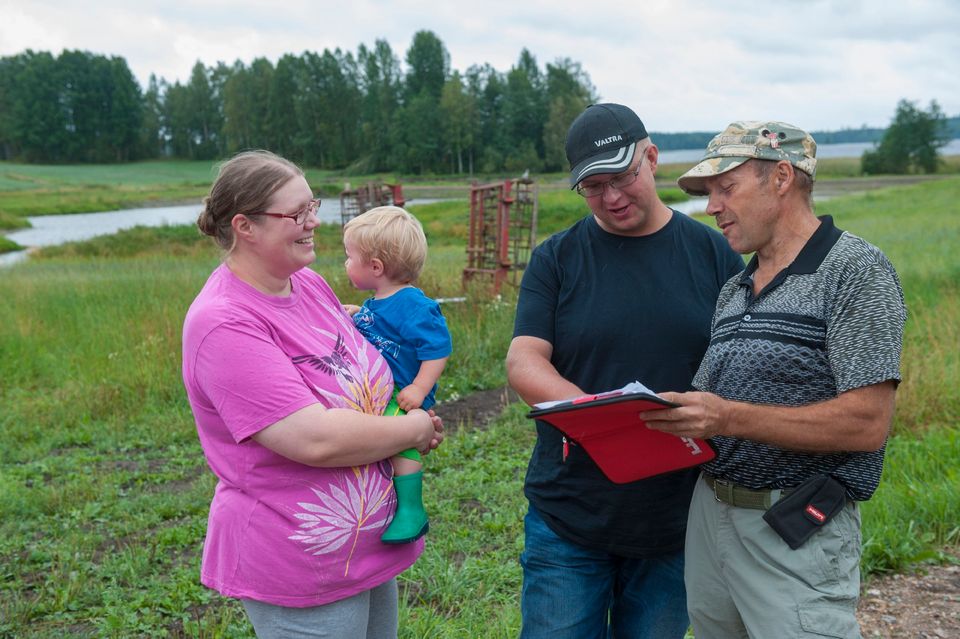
(29,189)
(104,490)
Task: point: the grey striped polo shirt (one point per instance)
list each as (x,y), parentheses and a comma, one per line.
(830,322)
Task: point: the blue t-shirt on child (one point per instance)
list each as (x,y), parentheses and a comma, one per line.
(407,328)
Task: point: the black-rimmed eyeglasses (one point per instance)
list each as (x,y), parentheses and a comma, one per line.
(299,217)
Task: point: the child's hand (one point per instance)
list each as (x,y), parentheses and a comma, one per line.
(411,397)
(351,309)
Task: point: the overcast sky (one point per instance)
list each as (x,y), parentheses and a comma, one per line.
(683,65)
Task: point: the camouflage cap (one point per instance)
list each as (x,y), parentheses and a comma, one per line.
(743,141)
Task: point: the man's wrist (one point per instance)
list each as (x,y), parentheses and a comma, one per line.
(725,416)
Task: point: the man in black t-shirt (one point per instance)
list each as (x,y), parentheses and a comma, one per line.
(625,294)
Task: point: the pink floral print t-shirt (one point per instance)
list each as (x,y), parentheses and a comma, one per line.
(280,531)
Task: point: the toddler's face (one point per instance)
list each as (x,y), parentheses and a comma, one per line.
(359,272)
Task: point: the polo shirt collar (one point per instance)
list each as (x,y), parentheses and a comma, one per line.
(809,259)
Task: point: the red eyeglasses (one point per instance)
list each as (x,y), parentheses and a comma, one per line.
(298,217)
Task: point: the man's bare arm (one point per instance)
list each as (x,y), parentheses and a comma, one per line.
(856,420)
(531,374)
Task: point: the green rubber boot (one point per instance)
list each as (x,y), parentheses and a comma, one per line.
(393,408)
(410,521)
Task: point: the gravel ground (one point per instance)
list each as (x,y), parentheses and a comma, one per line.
(925,605)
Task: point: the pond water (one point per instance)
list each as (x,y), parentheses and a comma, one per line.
(48,230)
(691,206)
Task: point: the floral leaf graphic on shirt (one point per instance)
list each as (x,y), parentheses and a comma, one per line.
(361,499)
(370,397)
(343,512)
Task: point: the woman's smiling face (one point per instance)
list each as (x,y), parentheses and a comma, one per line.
(284,246)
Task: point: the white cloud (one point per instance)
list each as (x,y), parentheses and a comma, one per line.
(22,28)
(682,64)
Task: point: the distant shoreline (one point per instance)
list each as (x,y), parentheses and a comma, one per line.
(684,140)
(830,150)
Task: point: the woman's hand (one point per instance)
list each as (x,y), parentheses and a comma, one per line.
(432,434)
(340,437)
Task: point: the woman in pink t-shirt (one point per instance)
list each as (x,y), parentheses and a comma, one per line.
(288,397)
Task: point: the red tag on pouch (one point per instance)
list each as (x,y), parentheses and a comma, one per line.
(816,514)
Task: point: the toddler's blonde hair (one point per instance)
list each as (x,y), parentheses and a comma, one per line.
(391,235)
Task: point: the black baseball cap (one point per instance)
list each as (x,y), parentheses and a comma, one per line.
(602,140)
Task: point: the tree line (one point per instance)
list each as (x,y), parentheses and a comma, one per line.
(337,110)
(361,112)
(76,107)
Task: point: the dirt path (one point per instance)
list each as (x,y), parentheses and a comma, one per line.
(924,605)
(917,606)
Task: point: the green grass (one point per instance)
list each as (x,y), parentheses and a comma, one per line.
(24,177)
(29,189)
(914,515)
(104,490)
(8,245)
(918,228)
(32,189)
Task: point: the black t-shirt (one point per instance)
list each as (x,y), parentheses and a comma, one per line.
(618,309)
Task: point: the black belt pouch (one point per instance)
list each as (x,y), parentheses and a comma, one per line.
(806,509)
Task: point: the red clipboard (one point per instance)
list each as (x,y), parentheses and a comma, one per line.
(609,430)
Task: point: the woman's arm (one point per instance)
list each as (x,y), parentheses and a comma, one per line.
(316,436)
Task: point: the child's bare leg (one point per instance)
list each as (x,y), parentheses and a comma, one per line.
(404,465)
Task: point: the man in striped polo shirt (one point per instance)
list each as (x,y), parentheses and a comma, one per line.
(796,392)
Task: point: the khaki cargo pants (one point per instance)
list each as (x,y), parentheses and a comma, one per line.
(743,580)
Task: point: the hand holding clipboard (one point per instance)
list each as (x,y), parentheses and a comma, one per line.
(609,429)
